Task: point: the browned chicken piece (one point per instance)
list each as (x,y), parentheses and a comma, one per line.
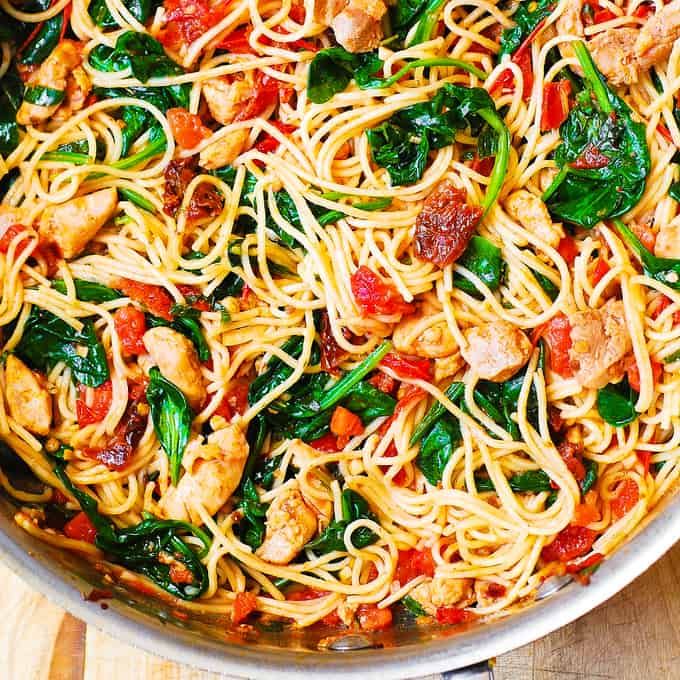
(176,358)
(531,212)
(290,524)
(668,242)
(657,35)
(570,23)
(53,73)
(358,26)
(416,334)
(78,87)
(496,350)
(326,10)
(613,52)
(224,150)
(9,216)
(213,475)
(28,400)
(72,225)
(488,592)
(599,342)
(224,98)
(443,592)
(322,500)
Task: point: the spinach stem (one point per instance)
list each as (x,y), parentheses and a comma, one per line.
(67,157)
(593,77)
(436,61)
(428,20)
(453,392)
(554,185)
(135,198)
(500,166)
(349,380)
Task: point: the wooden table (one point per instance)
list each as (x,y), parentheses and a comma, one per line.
(634,636)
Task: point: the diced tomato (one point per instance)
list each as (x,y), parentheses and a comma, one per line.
(633,371)
(568,249)
(401,476)
(237,42)
(454,615)
(374,296)
(95,411)
(10,234)
(445,225)
(328,443)
(645,458)
(627,495)
(483,166)
(555,104)
(572,455)
(244,605)
(600,270)
(194,297)
(413,563)
(557,335)
(187,128)
(345,425)
(644,10)
(235,399)
(264,94)
(156,299)
(590,561)
(591,158)
(585,514)
(308,593)
(660,304)
(188,20)
(384,383)
(522,58)
(268,143)
(570,543)
(130,325)
(602,15)
(412,394)
(645,234)
(80,528)
(371,618)
(407,367)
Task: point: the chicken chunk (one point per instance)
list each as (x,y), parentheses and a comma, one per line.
(532,214)
(658,35)
(326,10)
(29,402)
(599,342)
(496,350)
(78,88)
(72,225)
(53,73)
(224,150)
(9,216)
(322,500)
(176,358)
(613,52)
(225,99)
(570,23)
(417,335)
(358,26)
(443,592)
(447,366)
(668,242)
(290,524)
(212,476)
(487,593)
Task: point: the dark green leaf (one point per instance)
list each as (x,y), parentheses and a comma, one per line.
(616,403)
(171,418)
(528,15)
(11,95)
(589,480)
(369,402)
(252,527)
(44,41)
(413,606)
(88,291)
(551,290)
(437,447)
(483,259)
(531,481)
(140,10)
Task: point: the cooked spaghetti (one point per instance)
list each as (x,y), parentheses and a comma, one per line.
(311,312)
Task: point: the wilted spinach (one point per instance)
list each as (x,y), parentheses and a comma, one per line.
(88,291)
(47,340)
(531,481)
(150,547)
(616,403)
(251,527)
(171,417)
(483,259)
(603,159)
(140,10)
(528,16)
(437,447)
(11,95)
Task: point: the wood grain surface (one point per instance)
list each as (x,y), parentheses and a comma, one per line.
(634,636)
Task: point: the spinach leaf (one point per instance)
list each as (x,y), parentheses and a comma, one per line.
(551,290)
(531,481)
(405,14)
(603,159)
(483,259)
(252,527)
(589,480)
(454,392)
(392,148)
(663,269)
(150,548)
(264,472)
(47,340)
(413,606)
(369,402)
(44,41)
(354,507)
(616,403)
(11,94)
(171,417)
(88,291)
(140,10)
(437,447)
(528,16)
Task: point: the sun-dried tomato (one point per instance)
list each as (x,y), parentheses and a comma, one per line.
(383,382)
(591,158)
(80,528)
(178,174)
(570,543)
(235,399)
(331,353)
(12,231)
(371,618)
(557,335)
(206,201)
(265,94)
(445,225)
(374,296)
(572,455)
(116,454)
(155,298)
(99,405)
(244,604)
